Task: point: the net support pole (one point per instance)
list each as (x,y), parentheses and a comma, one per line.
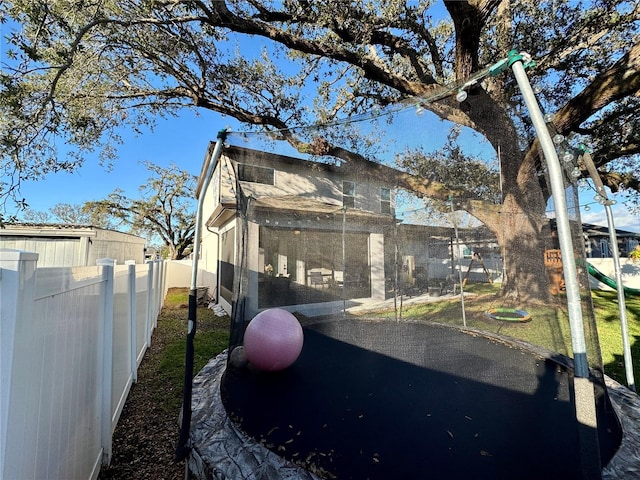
(622,306)
(183,447)
(583,387)
(613,238)
(455,229)
(344,262)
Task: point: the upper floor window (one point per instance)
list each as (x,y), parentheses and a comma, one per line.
(385,201)
(252,173)
(348,194)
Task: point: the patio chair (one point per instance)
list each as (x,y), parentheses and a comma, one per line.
(316,279)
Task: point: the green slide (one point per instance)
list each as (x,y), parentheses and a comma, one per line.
(608,281)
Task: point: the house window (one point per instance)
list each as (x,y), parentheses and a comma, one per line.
(385,201)
(251,173)
(348,194)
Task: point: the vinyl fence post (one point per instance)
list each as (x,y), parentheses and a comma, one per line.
(17,282)
(158,295)
(131,290)
(163,282)
(155,294)
(107,265)
(150,305)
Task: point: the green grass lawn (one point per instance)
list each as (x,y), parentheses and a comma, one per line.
(610,333)
(212,337)
(549,326)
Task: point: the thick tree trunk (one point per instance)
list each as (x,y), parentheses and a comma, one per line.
(520,235)
(520,227)
(174,254)
(519,223)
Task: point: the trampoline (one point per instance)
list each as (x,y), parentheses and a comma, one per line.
(458,389)
(380,400)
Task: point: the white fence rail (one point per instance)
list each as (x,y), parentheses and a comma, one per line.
(71,340)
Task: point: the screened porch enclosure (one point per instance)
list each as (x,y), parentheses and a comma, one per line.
(302,266)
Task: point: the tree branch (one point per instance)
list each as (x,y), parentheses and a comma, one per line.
(619,81)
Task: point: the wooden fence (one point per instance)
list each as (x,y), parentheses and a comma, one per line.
(71,340)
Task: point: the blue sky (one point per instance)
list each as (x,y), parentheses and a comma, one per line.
(183,140)
(623,219)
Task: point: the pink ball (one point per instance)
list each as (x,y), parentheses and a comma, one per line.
(273,340)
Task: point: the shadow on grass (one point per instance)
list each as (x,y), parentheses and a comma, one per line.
(616,368)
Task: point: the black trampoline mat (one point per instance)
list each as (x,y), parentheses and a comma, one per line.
(449,405)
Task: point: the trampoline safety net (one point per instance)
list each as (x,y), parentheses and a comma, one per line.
(430,283)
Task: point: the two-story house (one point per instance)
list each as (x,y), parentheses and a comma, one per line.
(315,232)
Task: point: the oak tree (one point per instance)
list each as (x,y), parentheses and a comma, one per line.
(165,209)
(80,70)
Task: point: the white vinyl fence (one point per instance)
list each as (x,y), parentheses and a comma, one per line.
(442,269)
(629,269)
(179,275)
(71,340)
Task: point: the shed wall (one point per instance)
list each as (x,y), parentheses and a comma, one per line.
(116,245)
(54,252)
(74,248)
